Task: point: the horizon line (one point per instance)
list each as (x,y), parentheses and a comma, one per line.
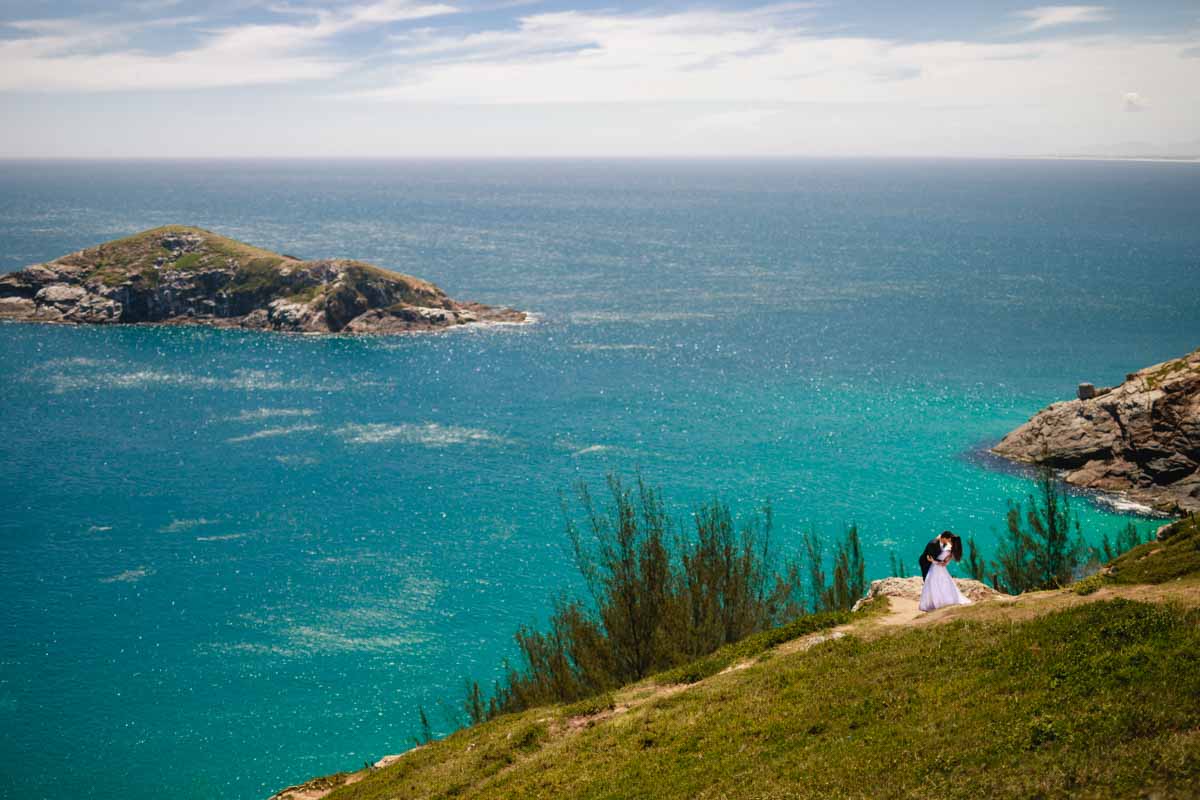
(1188,159)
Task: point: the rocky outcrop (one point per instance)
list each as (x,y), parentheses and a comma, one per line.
(910,589)
(182,275)
(1140,439)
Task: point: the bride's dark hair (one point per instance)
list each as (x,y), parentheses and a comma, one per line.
(956,547)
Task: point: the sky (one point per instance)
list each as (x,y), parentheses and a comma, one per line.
(522,78)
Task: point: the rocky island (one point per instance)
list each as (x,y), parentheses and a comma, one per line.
(1140,439)
(184,275)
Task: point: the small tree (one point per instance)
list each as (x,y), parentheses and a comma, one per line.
(1127,538)
(814,558)
(1043,547)
(976,566)
(849,578)
(426,735)
(475,704)
(725,590)
(849,571)
(628,573)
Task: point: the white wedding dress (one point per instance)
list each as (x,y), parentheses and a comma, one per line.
(940,589)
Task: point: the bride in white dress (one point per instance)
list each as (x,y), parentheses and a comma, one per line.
(940,589)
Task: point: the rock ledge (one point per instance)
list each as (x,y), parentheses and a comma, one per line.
(1139,440)
(910,589)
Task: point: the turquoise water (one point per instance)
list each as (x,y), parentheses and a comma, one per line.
(230,561)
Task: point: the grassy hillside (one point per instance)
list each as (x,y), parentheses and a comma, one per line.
(1055,694)
(1175,555)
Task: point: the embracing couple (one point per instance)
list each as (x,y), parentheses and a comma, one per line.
(940,589)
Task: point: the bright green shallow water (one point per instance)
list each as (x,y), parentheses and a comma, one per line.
(230,561)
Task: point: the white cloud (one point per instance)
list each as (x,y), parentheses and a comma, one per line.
(332,22)
(1049,16)
(760,58)
(75,55)
(1134,102)
(702,81)
(739,120)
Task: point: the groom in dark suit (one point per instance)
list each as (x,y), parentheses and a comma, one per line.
(933,551)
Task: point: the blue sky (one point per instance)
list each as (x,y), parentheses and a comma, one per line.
(421,78)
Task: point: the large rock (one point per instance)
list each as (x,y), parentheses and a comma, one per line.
(60,294)
(177,274)
(1140,439)
(285,315)
(17,307)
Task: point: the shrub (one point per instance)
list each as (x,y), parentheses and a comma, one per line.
(663,595)
(1089,585)
(1043,547)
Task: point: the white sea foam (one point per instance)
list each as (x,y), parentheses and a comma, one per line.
(128,576)
(224,537)
(428,435)
(99,528)
(595,448)
(77,361)
(270,413)
(297,461)
(176,525)
(309,637)
(1123,506)
(78,375)
(377,625)
(253,648)
(372,624)
(269,433)
(599,347)
(606,317)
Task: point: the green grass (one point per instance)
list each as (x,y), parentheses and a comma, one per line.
(589,706)
(112,262)
(1098,700)
(109,276)
(1177,554)
(187,261)
(307,294)
(258,276)
(1166,371)
(751,646)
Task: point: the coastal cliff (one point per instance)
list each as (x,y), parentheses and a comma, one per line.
(1140,439)
(183,275)
(1085,691)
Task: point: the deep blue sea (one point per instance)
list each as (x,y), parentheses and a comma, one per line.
(230,561)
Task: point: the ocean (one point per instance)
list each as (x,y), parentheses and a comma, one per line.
(230,561)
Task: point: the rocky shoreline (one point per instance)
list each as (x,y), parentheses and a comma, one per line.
(179,275)
(1139,441)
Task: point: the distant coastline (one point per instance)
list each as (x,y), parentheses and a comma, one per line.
(1194,159)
